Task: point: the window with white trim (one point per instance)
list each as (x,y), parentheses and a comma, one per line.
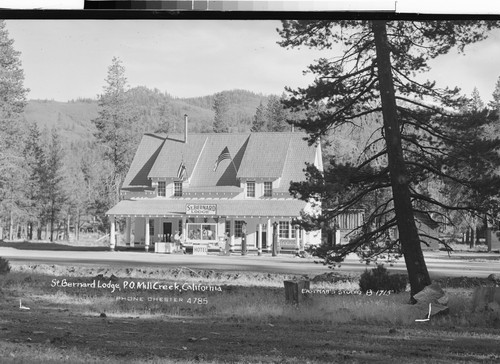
(251,189)
(161,189)
(202,231)
(268,189)
(178,188)
(284,229)
(238,228)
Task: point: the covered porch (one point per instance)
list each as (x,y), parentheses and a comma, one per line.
(216,224)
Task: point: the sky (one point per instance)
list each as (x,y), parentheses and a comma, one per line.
(68,59)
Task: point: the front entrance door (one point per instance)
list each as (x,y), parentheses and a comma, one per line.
(264,239)
(167,232)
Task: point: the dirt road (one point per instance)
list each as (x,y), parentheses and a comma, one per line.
(438,263)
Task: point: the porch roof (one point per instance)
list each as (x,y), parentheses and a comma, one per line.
(229,208)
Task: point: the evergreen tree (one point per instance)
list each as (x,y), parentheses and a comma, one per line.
(35,163)
(53,186)
(115,125)
(418,138)
(259,119)
(495,103)
(221,108)
(476,103)
(12,103)
(276,115)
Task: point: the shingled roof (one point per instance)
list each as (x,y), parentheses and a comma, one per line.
(229,207)
(254,155)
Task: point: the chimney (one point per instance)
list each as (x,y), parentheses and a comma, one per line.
(185,128)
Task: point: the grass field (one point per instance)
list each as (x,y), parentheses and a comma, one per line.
(238,318)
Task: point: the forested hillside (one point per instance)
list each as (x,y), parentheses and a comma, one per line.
(155,112)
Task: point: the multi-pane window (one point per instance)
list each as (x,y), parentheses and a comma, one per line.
(238,228)
(178,188)
(201,231)
(151,227)
(268,189)
(228,228)
(250,189)
(161,188)
(284,229)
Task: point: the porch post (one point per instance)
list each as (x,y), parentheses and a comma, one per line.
(297,238)
(127,231)
(231,244)
(146,235)
(259,240)
(184,229)
(275,239)
(112,236)
(269,235)
(302,240)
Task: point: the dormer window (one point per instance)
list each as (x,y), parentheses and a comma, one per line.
(161,189)
(268,189)
(251,189)
(178,188)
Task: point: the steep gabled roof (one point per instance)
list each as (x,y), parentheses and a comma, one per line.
(225,175)
(299,152)
(144,158)
(265,155)
(254,155)
(174,152)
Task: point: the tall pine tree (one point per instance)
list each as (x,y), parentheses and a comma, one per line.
(276,115)
(114,125)
(53,184)
(259,119)
(12,103)
(35,162)
(420,133)
(221,118)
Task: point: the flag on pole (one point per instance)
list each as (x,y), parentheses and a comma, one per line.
(181,172)
(223,155)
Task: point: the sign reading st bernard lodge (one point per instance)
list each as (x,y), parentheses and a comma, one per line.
(195,209)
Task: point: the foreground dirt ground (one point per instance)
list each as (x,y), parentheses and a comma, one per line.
(231,340)
(58,326)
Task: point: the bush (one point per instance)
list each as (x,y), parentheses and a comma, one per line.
(4,266)
(379,279)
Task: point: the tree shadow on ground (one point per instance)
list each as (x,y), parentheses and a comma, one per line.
(26,245)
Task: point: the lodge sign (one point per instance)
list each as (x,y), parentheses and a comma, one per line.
(198,209)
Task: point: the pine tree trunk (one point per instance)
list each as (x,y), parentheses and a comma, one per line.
(39,230)
(408,233)
(30,230)
(68,222)
(77,227)
(11,226)
(472,237)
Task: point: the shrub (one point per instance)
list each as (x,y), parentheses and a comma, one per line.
(379,279)
(4,266)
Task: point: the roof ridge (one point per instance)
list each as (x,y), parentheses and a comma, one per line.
(198,159)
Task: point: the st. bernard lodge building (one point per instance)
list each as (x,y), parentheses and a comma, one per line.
(211,189)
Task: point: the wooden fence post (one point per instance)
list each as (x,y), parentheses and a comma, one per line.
(293,291)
